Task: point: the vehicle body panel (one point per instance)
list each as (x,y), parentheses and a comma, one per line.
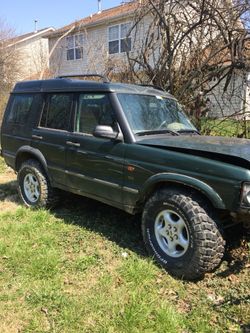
(225,179)
(224,146)
(14,135)
(124,173)
(52,145)
(95,166)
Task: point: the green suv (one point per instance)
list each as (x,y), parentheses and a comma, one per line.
(131,147)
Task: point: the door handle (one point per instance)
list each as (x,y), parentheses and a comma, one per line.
(73,144)
(37,137)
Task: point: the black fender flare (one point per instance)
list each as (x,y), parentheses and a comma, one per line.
(180,179)
(32,152)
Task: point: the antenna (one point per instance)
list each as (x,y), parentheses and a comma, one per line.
(99,6)
(35,21)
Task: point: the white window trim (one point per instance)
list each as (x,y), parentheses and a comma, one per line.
(74,48)
(119,37)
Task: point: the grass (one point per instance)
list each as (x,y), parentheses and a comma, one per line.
(83,268)
(225,127)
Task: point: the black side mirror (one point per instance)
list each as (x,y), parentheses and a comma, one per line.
(107,132)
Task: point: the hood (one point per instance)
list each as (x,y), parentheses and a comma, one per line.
(221,148)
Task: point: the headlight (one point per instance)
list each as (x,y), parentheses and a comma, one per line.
(245,195)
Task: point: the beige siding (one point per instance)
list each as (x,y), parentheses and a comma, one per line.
(61,66)
(96,58)
(223,104)
(33,56)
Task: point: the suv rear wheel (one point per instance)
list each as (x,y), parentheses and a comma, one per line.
(33,185)
(180,234)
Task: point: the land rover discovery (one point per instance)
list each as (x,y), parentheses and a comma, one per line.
(131,147)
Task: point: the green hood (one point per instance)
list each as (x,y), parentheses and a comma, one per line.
(206,146)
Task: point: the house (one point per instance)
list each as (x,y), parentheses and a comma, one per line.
(32,51)
(99,44)
(89,44)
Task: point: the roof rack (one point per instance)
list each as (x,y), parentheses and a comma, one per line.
(104,78)
(151,86)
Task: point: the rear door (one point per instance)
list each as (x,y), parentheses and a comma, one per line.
(51,134)
(95,165)
(17,124)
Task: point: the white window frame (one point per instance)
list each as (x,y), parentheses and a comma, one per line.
(119,37)
(75,47)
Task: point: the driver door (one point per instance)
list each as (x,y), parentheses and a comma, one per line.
(94,165)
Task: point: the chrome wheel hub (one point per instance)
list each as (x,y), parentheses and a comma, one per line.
(31,187)
(171,233)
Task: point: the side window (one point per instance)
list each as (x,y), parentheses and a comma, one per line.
(20,109)
(56,113)
(93,110)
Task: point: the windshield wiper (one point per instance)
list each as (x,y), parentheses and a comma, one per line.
(189,131)
(152,132)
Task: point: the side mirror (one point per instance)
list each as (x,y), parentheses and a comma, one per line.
(107,132)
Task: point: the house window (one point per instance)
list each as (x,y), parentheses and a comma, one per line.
(119,41)
(75,47)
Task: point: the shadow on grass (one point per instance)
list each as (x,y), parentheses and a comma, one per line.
(8,192)
(245,328)
(125,229)
(237,250)
(114,224)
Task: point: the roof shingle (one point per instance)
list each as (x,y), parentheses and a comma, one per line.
(95,19)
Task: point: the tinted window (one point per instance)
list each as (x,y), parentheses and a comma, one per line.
(56,114)
(20,109)
(93,110)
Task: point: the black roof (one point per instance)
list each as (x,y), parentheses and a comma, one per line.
(72,85)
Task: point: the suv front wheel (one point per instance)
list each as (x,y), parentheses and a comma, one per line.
(33,185)
(180,234)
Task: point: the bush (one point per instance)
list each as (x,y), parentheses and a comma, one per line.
(225,127)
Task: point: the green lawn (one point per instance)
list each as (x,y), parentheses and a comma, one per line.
(83,268)
(225,127)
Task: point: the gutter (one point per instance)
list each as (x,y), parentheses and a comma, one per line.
(30,37)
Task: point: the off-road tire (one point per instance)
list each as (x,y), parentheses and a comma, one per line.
(206,245)
(47,197)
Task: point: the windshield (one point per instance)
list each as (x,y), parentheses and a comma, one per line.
(154,114)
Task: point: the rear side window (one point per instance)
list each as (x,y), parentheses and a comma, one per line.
(56,113)
(20,109)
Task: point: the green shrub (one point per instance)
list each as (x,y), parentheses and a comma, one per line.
(225,127)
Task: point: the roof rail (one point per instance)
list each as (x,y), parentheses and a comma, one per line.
(104,78)
(151,86)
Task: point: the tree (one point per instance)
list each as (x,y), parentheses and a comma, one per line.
(115,68)
(191,48)
(9,64)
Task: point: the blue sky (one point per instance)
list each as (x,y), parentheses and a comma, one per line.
(20,14)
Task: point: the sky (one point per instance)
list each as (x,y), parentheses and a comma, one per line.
(20,14)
